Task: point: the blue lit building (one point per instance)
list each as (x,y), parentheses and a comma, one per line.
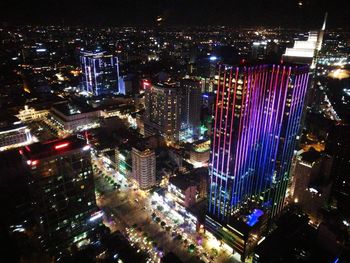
(256,122)
(100,73)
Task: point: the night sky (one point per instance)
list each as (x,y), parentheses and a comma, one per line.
(285,13)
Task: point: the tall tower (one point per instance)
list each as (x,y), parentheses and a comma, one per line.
(256,123)
(162,110)
(100,73)
(321,34)
(190,107)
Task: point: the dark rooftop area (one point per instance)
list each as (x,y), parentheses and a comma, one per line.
(43,150)
(69,108)
(311,156)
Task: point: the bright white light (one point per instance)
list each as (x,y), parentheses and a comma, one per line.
(86,147)
(96,216)
(313,190)
(213,58)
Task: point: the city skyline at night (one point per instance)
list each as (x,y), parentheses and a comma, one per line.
(175,131)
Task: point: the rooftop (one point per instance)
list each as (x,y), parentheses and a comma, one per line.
(311,156)
(52,148)
(10,122)
(183,181)
(68,108)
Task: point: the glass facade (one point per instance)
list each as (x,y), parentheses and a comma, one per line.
(256,122)
(63,192)
(100,73)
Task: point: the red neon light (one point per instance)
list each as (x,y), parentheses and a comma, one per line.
(62,145)
(27,148)
(21,151)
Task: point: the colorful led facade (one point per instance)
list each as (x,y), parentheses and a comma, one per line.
(100,73)
(256,122)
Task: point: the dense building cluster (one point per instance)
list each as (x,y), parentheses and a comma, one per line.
(179,144)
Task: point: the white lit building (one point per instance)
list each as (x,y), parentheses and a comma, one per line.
(144,167)
(13,133)
(30,114)
(303,51)
(306,51)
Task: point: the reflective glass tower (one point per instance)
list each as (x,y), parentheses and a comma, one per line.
(257,115)
(100,73)
(256,122)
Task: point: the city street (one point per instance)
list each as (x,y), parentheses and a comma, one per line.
(128,206)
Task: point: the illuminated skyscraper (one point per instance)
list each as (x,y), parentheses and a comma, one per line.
(100,73)
(62,192)
(191,99)
(306,51)
(163,110)
(144,167)
(256,123)
(173,109)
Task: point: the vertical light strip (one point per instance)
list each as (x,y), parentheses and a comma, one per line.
(213,151)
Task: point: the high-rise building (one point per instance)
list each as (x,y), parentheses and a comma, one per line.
(338,146)
(311,182)
(173,110)
(144,167)
(100,72)
(256,124)
(306,51)
(303,51)
(62,192)
(162,113)
(191,108)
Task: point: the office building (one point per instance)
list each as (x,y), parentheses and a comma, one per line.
(143,167)
(338,146)
(183,190)
(256,124)
(311,182)
(190,109)
(303,51)
(162,110)
(62,193)
(173,110)
(306,51)
(100,73)
(259,50)
(13,133)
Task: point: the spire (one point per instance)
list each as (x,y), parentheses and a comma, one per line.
(321,33)
(324,21)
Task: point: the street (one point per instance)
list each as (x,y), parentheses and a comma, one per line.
(130,210)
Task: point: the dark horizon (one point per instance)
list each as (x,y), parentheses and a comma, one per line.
(306,14)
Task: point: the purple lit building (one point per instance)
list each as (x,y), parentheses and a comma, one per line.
(256,123)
